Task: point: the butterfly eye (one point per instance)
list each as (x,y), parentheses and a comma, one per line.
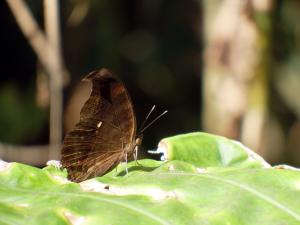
(138,141)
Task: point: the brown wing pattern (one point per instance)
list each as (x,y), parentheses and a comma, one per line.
(106,129)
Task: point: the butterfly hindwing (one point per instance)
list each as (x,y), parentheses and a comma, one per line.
(105,132)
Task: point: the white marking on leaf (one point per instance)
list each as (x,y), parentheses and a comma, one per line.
(286,167)
(55,163)
(93,185)
(201,170)
(156,194)
(74,220)
(4,165)
(161,149)
(23,205)
(171,168)
(61,180)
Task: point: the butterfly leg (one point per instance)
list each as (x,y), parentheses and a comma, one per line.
(126,157)
(135,154)
(116,170)
(126,168)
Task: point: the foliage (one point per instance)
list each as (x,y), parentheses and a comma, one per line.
(227,184)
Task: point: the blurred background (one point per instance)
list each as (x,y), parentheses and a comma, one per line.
(227,67)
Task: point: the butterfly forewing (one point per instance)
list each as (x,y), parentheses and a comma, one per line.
(105,132)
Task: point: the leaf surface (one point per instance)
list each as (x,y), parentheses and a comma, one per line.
(179,191)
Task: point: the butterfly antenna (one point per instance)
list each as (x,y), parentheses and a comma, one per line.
(145,120)
(153,121)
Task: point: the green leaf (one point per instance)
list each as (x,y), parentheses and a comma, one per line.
(179,191)
(208,150)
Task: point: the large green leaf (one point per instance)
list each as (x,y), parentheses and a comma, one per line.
(179,191)
(207,150)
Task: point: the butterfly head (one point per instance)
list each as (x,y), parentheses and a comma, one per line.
(138,140)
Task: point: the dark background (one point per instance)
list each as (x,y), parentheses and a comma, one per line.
(154,47)
(157,48)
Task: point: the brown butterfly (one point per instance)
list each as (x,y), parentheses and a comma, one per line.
(106,132)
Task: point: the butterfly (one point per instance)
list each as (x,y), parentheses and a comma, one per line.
(106,133)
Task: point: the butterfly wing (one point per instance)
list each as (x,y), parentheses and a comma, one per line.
(106,129)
